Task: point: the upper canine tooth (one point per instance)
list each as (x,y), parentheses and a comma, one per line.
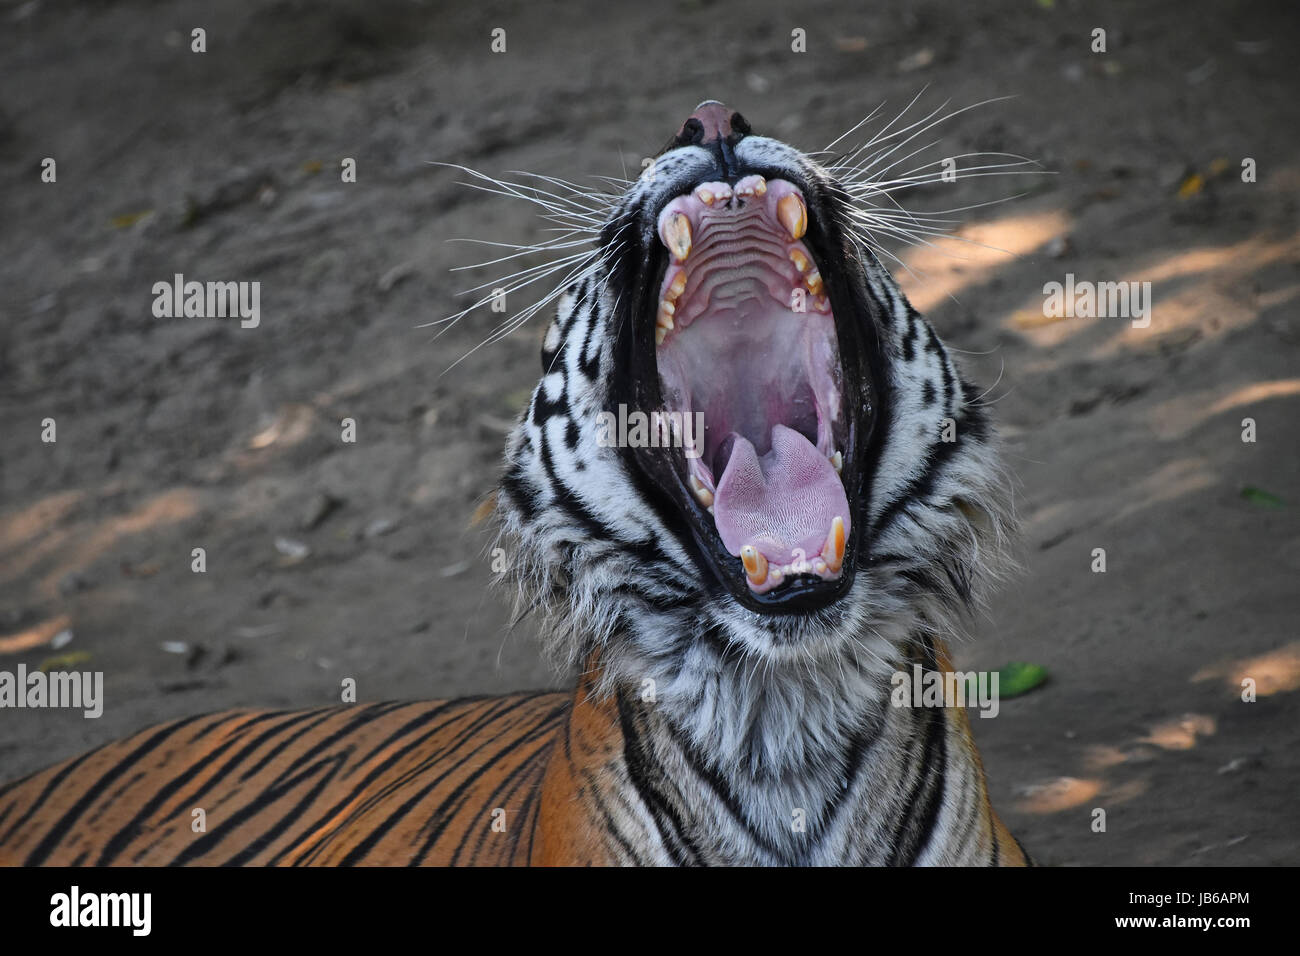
(702,494)
(833,549)
(814,281)
(677,286)
(799,259)
(677,236)
(755,564)
(793,215)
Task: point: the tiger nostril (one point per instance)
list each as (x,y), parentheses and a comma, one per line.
(692,133)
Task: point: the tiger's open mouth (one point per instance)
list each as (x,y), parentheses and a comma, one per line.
(743,315)
(745,335)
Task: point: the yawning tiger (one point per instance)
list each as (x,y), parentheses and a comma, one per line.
(737,596)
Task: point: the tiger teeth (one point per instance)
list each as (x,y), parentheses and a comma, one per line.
(752,186)
(814,282)
(755,564)
(677,236)
(702,493)
(677,286)
(833,549)
(793,214)
(799,259)
(837,462)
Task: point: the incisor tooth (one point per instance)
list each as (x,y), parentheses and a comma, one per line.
(677,236)
(755,564)
(793,215)
(705,196)
(833,549)
(702,494)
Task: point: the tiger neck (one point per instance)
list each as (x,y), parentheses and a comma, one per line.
(853,781)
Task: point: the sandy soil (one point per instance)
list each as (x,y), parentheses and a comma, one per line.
(182,433)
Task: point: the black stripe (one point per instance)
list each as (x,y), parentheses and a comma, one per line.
(361,788)
(266,837)
(183,775)
(446,812)
(377,833)
(57,832)
(213,839)
(907,836)
(672,831)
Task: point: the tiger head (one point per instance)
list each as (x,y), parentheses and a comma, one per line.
(747,449)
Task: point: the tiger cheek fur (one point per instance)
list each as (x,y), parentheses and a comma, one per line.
(734,699)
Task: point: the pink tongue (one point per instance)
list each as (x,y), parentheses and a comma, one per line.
(780,503)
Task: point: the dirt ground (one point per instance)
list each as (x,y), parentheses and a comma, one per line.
(328,560)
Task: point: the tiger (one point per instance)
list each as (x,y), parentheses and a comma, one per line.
(737,599)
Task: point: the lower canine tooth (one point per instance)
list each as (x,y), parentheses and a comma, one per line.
(833,549)
(793,215)
(755,564)
(677,236)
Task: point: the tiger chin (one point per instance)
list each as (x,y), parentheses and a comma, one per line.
(737,597)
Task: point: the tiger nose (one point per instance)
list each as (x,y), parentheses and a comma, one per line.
(712,121)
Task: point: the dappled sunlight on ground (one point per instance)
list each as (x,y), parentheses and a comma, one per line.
(1275,672)
(69,546)
(1175,417)
(934,273)
(1195,289)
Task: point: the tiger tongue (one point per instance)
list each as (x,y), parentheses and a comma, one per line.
(781,503)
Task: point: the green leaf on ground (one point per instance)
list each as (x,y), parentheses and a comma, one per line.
(1258,496)
(1019,678)
(64,662)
